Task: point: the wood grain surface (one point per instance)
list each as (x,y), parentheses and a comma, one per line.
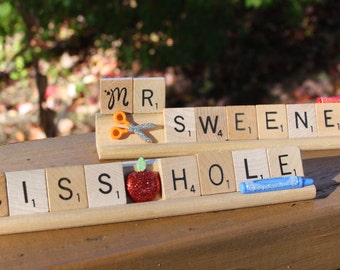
(295,235)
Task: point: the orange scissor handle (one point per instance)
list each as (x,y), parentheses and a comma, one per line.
(120,117)
(116,132)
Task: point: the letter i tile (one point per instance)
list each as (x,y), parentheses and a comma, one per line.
(250,165)
(179,177)
(3,196)
(216,172)
(285,161)
(105,184)
(26,192)
(66,188)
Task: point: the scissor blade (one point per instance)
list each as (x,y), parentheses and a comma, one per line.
(145,126)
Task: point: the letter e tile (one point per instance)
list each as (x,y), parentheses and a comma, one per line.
(250,165)
(242,122)
(216,172)
(105,184)
(328,119)
(272,121)
(285,161)
(116,94)
(26,192)
(179,177)
(3,196)
(66,188)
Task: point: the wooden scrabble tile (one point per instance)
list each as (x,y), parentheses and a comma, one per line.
(242,122)
(179,125)
(272,121)
(105,184)
(301,120)
(3,196)
(116,94)
(179,177)
(211,124)
(26,192)
(66,188)
(328,119)
(148,95)
(216,172)
(285,161)
(250,165)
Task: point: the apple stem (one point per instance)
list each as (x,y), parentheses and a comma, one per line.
(141,165)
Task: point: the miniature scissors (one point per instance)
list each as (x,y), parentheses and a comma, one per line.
(117,132)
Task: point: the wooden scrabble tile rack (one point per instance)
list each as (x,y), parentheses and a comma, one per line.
(69,161)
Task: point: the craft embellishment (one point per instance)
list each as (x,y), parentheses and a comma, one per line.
(117,132)
(143,185)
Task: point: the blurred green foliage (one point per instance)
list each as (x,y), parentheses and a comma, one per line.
(229,48)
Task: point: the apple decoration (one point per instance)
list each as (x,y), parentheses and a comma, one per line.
(142,185)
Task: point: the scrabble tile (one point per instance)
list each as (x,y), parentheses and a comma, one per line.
(301,120)
(328,119)
(250,165)
(179,177)
(116,94)
(105,184)
(3,196)
(26,192)
(66,188)
(211,124)
(148,95)
(179,125)
(272,121)
(285,161)
(242,122)
(216,172)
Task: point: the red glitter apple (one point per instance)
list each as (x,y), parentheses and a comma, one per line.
(143,185)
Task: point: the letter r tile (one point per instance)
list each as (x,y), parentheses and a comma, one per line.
(179,177)
(250,165)
(148,95)
(116,94)
(105,184)
(3,196)
(179,125)
(66,188)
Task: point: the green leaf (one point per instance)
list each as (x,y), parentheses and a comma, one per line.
(141,165)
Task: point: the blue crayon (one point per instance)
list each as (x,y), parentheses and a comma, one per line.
(273,184)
